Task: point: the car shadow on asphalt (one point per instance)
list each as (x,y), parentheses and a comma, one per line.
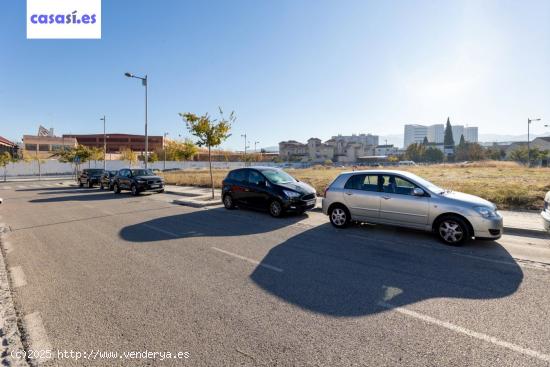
(326,272)
(353,272)
(89,196)
(208,223)
(48,189)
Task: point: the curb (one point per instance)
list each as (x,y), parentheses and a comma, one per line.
(196,203)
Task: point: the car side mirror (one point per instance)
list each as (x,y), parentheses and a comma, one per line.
(417,191)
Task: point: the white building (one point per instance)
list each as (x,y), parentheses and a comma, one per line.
(365,139)
(415,134)
(470,134)
(436,133)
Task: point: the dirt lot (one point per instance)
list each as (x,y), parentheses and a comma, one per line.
(507,184)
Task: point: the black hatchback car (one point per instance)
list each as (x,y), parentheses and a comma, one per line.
(267,188)
(106,180)
(137,180)
(90,177)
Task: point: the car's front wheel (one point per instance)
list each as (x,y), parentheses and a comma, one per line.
(228,202)
(452,230)
(339,216)
(80,184)
(90,184)
(275,208)
(116,188)
(134,190)
(101,187)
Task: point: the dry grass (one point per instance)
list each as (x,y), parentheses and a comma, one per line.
(507,184)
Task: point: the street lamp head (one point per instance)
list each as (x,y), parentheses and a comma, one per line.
(129,75)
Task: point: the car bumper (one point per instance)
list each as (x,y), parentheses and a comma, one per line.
(147,187)
(299,205)
(546,220)
(94,180)
(490,228)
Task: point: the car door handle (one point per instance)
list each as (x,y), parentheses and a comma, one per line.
(386,197)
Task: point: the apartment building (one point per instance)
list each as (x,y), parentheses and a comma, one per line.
(436,133)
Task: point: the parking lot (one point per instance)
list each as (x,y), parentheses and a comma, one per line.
(98,271)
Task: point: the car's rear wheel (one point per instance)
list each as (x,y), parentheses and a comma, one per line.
(101,187)
(134,190)
(275,208)
(80,184)
(453,230)
(116,188)
(339,216)
(90,184)
(228,202)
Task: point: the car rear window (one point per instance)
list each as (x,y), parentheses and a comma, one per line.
(240,175)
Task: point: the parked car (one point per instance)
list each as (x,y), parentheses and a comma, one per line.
(137,181)
(267,188)
(106,180)
(546,212)
(90,177)
(404,199)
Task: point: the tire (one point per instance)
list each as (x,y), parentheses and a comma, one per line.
(228,202)
(110,187)
(135,190)
(80,184)
(101,187)
(90,184)
(275,209)
(116,188)
(161,191)
(339,216)
(452,230)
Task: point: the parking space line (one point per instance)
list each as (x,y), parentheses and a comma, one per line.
(462,330)
(37,336)
(161,230)
(18,277)
(267,266)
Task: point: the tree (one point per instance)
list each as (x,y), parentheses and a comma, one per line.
(425,141)
(129,155)
(462,141)
(96,154)
(209,133)
(448,140)
(180,150)
(153,157)
(5,159)
(415,152)
(433,155)
(32,156)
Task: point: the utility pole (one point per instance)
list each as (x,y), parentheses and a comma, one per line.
(244,157)
(528,141)
(145,84)
(104,145)
(164,143)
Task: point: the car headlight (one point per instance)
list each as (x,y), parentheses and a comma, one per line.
(291,194)
(486,212)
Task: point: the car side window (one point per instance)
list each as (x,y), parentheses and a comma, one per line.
(254,177)
(362,182)
(396,185)
(240,175)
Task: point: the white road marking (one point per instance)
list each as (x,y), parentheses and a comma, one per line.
(267,266)
(18,276)
(21,187)
(7,247)
(161,230)
(37,337)
(6,187)
(461,330)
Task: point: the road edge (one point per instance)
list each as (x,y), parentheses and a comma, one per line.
(10,336)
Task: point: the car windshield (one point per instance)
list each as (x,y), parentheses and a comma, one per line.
(142,172)
(426,184)
(277,176)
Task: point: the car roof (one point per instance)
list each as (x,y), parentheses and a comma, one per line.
(381,172)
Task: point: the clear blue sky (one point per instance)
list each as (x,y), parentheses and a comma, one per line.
(290,69)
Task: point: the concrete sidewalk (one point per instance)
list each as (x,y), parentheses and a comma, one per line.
(527,223)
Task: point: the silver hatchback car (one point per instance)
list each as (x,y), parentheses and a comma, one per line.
(404,199)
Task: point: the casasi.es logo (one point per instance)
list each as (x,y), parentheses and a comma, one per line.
(76,19)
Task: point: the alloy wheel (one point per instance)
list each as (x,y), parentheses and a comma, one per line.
(228,201)
(338,217)
(275,208)
(451,231)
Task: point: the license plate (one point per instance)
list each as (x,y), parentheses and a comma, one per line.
(154,186)
(311,202)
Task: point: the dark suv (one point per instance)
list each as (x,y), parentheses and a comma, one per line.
(267,188)
(90,177)
(106,180)
(137,180)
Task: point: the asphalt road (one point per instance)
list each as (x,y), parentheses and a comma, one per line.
(94,271)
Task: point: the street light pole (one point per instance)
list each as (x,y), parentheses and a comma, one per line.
(164,142)
(528,141)
(145,84)
(104,145)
